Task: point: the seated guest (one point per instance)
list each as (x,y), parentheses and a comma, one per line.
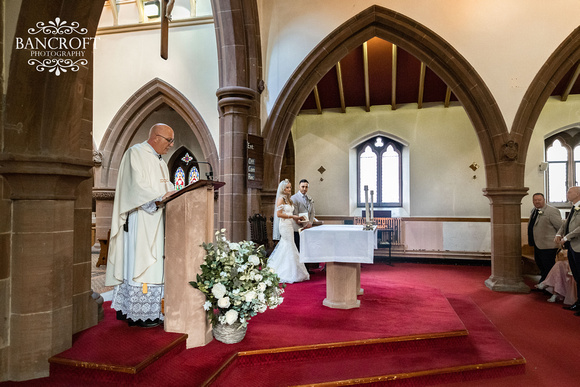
(560,283)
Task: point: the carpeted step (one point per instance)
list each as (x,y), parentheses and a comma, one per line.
(483,353)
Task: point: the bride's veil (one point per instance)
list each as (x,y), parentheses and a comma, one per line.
(280,192)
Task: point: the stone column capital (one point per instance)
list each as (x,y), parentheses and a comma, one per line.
(44,178)
(103,193)
(235,97)
(509,195)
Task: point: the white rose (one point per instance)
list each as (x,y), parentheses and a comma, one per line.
(261,286)
(234,246)
(254,260)
(231,316)
(224,302)
(250,296)
(261,297)
(259,277)
(218,290)
(262,308)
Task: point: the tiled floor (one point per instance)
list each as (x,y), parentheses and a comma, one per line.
(98,273)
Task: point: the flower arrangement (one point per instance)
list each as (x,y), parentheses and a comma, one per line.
(236,281)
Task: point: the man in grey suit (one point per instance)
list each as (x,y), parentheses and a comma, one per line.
(303,204)
(568,236)
(544,223)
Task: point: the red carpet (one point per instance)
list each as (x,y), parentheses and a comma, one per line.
(131,349)
(430,359)
(390,311)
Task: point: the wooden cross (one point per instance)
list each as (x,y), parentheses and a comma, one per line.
(166,8)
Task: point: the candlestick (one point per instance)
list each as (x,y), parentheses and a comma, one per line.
(372,207)
(366,203)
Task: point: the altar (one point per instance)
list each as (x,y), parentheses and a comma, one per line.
(343,248)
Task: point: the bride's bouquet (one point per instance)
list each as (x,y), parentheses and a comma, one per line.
(236,281)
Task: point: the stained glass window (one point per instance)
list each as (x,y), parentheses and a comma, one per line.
(193,175)
(380,169)
(184,168)
(179,178)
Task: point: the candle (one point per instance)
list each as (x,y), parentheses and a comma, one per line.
(372,206)
(367,203)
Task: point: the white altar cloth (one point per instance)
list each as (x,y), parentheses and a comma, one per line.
(338,243)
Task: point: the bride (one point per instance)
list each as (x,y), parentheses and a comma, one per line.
(285,259)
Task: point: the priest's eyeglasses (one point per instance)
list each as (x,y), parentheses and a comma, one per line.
(169,140)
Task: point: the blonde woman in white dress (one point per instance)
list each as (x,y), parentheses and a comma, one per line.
(285,259)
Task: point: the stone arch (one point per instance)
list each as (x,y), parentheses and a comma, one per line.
(558,64)
(417,39)
(129,119)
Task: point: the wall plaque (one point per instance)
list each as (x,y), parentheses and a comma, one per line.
(254,161)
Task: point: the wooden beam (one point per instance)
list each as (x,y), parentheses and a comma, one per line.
(366,77)
(447,96)
(164,52)
(421,85)
(317,100)
(571,83)
(394,78)
(340,87)
(115,11)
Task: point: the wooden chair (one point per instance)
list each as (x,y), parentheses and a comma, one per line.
(385,240)
(259,231)
(104,253)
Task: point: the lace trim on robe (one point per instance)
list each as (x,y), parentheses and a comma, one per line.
(131,301)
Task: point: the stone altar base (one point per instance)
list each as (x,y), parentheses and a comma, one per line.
(342,285)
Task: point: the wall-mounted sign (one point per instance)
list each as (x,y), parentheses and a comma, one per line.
(254,161)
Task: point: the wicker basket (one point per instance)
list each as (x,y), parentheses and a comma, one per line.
(229,334)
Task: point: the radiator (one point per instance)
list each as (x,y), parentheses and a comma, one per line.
(385,227)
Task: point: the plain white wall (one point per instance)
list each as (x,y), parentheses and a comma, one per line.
(442,146)
(125,62)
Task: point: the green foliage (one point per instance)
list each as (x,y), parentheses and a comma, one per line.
(236,281)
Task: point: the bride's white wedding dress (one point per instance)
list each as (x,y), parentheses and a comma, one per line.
(285,259)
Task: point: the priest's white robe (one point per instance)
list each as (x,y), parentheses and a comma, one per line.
(136,257)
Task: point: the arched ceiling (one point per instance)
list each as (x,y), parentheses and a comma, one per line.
(380,73)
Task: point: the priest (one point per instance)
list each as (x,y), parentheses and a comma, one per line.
(136,244)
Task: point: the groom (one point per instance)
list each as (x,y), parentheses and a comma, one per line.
(302,204)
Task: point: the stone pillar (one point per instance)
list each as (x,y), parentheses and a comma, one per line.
(234,103)
(5,247)
(506,244)
(85,309)
(41,262)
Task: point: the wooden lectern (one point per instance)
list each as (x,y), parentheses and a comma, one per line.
(189,221)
